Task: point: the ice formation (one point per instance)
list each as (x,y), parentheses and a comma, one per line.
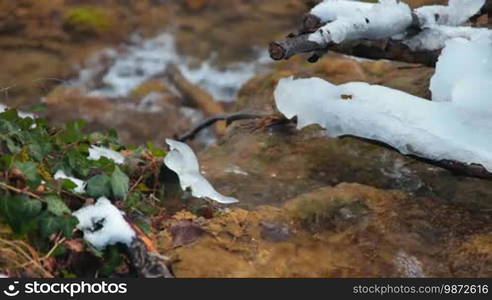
(182,160)
(352,20)
(80,188)
(464,74)
(96,152)
(103,224)
(433,130)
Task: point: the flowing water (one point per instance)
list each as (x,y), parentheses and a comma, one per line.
(132,64)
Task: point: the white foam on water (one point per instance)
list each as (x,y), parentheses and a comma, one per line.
(144,59)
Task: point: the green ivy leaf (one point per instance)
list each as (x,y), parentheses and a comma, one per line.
(68,184)
(38,107)
(67,224)
(38,149)
(19,211)
(10,115)
(156,151)
(98,186)
(13,148)
(73,132)
(78,162)
(56,205)
(29,169)
(52,224)
(48,226)
(120,183)
(112,259)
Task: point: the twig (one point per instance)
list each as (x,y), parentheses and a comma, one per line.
(229,118)
(33,258)
(135,184)
(19,191)
(55,246)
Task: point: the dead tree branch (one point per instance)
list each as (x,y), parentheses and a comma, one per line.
(229,118)
(416,22)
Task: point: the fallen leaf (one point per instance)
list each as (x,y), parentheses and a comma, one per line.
(185,232)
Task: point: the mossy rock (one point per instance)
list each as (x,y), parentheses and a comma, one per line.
(87,20)
(322,209)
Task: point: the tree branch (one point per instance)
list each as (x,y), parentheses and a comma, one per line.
(317,37)
(19,191)
(229,118)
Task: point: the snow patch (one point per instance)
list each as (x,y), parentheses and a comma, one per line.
(103,224)
(182,160)
(80,188)
(433,130)
(435,37)
(96,152)
(330,10)
(464,75)
(455,13)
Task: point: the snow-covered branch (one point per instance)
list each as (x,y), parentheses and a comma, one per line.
(351,21)
(454,130)
(332,24)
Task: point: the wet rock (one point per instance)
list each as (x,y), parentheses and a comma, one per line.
(275,231)
(280,166)
(282,162)
(476,247)
(389,237)
(152,119)
(195,5)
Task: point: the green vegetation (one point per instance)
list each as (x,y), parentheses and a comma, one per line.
(36,210)
(87,20)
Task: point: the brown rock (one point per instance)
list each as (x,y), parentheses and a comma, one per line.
(377,233)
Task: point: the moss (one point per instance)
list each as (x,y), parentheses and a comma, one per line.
(148,87)
(325,212)
(87,20)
